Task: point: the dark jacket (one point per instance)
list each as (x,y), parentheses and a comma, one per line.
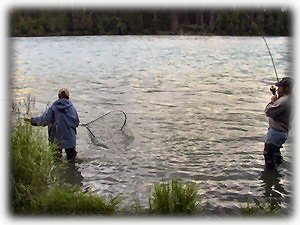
(279,113)
(62,120)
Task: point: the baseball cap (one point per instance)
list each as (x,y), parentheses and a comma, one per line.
(285,82)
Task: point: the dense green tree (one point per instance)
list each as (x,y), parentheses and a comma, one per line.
(270,24)
(85,23)
(174,22)
(278,22)
(211,24)
(136,24)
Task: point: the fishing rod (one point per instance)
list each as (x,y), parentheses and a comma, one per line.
(272,89)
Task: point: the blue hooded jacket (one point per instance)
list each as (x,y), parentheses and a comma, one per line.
(62,120)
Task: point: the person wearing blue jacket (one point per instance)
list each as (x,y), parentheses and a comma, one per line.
(62,121)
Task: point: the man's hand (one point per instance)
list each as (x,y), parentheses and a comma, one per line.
(27,119)
(274,98)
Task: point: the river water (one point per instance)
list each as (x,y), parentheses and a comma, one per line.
(195,106)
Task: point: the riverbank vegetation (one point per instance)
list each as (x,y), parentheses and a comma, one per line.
(186,21)
(174,198)
(256,207)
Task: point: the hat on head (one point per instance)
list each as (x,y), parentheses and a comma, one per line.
(285,82)
(64,92)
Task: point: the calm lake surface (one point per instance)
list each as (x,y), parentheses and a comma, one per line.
(195,106)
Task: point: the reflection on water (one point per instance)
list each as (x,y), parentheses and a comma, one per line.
(274,189)
(195,106)
(71,172)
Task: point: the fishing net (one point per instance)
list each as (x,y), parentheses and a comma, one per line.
(109,130)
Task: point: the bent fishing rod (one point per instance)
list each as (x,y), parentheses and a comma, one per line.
(272,89)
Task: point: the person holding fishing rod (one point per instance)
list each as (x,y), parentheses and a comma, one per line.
(62,121)
(278,111)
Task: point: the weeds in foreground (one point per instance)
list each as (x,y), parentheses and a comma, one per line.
(260,208)
(32,167)
(174,198)
(64,200)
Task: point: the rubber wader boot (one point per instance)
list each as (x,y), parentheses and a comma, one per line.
(272,155)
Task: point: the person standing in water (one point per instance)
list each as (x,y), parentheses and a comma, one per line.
(278,111)
(62,121)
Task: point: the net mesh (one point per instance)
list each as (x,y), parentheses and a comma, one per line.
(111,121)
(109,130)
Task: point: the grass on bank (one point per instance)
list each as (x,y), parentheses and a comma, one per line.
(169,198)
(64,201)
(32,167)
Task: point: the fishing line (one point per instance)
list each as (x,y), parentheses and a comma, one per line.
(258,30)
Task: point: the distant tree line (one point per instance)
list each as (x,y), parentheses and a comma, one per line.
(59,22)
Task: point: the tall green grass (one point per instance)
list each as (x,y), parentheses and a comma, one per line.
(64,200)
(169,198)
(32,166)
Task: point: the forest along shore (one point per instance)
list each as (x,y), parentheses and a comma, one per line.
(190,21)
